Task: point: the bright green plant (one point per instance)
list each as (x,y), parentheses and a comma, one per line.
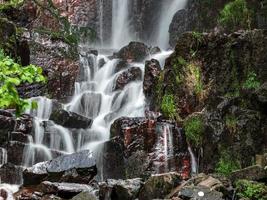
(194,129)
(10,3)
(168,106)
(12,75)
(227,164)
(235,15)
(252,81)
(251,190)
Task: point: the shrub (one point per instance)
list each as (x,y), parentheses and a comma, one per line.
(12,75)
(194,130)
(227,164)
(251,81)
(235,15)
(168,106)
(251,190)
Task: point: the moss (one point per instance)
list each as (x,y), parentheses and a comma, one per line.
(227,164)
(194,130)
(251,190)
(168,107)
(235,15)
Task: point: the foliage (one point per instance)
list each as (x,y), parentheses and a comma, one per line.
(198,86)
(10,3)
(227,164)
(194,129)
(231,123)
(251,190)
(235,15)
(68,33)
(168,106)
(13,75)
(252,81)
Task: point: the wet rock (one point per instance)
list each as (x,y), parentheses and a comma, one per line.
(75,168)
(85,196)
(101,63)
(160,185)
(132,74)
(89,105)
(7,124)
(133,52)
(155,50)
(64,190)
(199,193)
(113,155)
(11,174)
(120,189)
(252,173)
(24,124)
(121,65)
(152,72)
(70,119)
(8,37)
(139,131)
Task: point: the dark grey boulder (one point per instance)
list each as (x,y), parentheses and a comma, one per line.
(70,119)
(74,168)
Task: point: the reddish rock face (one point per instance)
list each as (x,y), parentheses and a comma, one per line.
(160,145)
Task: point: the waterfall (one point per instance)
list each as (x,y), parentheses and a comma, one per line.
(121,33)
(194,166)
(101,23)
(3,156)
(169,8)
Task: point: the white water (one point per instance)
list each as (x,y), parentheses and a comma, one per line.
(3,156)
(194,166)
(9,190)
(169,8)
(164,146)
(121,30)
(101,23)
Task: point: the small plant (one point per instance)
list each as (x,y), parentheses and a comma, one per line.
(194,129)
(231,123)
(235,15)
(251,190)
(252,81)
(227,164)
(11,76)
(195,79)
(168,106)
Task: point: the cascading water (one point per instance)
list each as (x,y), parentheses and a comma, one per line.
(169,8)
(121,33)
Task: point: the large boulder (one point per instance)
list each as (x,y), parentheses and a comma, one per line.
(70,119)
(133,52)
(252,173)
(199,193)
(130,75)
(120,189)
(75,168)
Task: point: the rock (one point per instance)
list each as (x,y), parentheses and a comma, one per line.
(64,190)
(8,37)
(70,119)
(261,98)
(75,168)
(134,129)
(121,65)
(85,196)
(212,183)
(113,155)
(133,52)
(11,174)
(160,185)
(199,193)
(120,189)
(252,173)
(132,74)
(152,72)
(155,50)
